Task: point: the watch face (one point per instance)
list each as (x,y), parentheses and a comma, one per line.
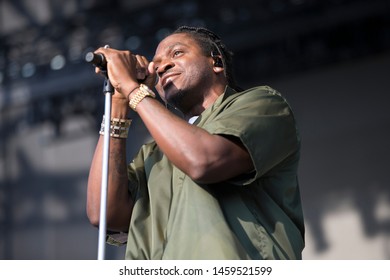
(148,90)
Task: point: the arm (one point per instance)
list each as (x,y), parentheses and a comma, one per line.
(119,203)
(203,156)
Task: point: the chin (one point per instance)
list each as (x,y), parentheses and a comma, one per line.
(172,93)
(176,100)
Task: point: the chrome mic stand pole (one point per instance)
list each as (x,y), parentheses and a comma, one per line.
(99,60)
(108,90)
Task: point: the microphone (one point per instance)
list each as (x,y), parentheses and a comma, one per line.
(96,59)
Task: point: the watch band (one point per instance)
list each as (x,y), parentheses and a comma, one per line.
(142,92)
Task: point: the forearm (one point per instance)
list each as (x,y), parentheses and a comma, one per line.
(119,203)
(204,157)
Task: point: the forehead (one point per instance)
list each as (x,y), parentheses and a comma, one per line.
(179,39)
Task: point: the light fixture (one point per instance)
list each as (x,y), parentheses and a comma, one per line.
(58,62)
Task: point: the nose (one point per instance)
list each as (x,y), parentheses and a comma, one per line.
(164,67)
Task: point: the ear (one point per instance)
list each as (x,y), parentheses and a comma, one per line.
(218,69)
(217,59)
(218,62)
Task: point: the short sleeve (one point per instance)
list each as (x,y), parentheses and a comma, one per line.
(262,119)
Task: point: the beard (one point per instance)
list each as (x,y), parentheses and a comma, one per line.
(185,93)
(177,99)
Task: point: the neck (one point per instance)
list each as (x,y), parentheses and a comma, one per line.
(206,100)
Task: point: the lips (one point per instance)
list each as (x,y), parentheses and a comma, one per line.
(167,78)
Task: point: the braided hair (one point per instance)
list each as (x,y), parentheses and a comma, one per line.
(211,44)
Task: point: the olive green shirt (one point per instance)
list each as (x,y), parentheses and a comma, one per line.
(254,216)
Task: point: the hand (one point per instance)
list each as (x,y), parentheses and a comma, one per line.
(146,75)
(125,70)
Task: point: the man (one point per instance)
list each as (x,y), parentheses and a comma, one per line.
(219,183)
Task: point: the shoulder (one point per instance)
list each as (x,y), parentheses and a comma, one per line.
(264,98)
(258,93)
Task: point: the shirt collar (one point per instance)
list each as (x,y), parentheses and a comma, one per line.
(228,92)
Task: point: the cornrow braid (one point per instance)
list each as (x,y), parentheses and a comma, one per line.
(212,43)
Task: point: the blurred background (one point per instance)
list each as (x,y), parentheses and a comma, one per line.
(329,58)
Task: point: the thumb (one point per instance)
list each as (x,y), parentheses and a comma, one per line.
(150,80)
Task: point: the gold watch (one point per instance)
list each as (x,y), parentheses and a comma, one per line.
(142,92)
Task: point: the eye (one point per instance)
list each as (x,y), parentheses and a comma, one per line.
(177,53)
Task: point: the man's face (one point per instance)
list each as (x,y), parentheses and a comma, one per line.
(184,72)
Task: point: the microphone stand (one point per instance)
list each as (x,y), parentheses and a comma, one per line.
(108,91)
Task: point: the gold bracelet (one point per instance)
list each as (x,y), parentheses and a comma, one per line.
(142,92)
(119,128)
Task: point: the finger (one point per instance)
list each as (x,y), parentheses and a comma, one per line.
(151,68)
(106,52)
(99,71)
(101,58)
(142,63)
(141,67)
(140,60)
(152,76)
(101,50)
